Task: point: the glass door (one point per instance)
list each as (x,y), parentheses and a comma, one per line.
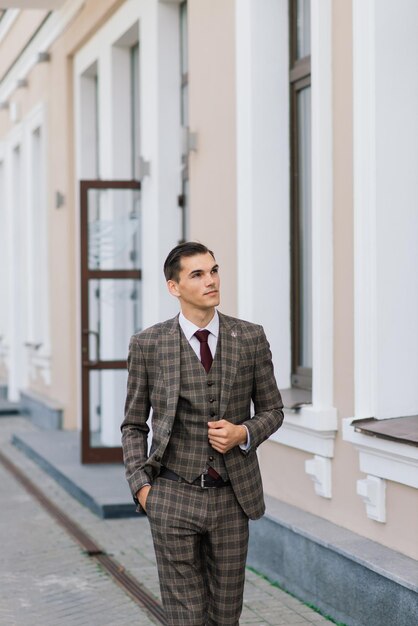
(110,309)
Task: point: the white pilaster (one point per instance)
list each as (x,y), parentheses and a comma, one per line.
(263,186)
(365,276)
(322,219)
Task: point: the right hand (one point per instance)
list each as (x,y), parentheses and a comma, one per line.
(142,496)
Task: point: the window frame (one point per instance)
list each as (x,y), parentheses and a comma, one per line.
(299,78)
(183,198)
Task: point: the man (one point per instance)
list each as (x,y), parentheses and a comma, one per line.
(201,482)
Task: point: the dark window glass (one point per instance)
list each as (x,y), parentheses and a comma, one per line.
(184,110)
(301,184)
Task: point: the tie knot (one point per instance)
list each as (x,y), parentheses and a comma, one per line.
(202,335)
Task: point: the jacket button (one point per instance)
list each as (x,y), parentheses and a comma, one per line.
(158,459)
(212,413)
(169,431)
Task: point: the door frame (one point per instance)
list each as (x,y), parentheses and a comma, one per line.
(90,454)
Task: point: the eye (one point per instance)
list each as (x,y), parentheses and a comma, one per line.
(215,270)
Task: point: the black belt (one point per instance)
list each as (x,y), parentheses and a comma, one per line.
(204,480)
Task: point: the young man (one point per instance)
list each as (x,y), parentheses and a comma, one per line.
(200,482)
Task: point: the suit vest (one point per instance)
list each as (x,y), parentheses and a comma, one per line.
(188,452)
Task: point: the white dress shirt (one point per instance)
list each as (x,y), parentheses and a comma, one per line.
(189,330)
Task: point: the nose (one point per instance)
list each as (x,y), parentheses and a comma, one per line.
(210,281)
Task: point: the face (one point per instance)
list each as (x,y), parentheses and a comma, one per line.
(198,286)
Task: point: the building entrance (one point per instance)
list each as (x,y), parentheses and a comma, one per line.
(110,309)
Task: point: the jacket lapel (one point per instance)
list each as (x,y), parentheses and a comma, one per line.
(170,362)
(230,345)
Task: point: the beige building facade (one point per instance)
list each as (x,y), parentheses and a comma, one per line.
(283,135)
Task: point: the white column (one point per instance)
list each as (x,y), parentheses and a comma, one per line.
(263,186)
(322,217)
(364,128)
(18,255)
(160,125)
(4,273)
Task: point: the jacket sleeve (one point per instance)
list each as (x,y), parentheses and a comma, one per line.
(134,427)
(268,405)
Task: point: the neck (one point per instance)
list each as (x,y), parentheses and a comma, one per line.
(199,318)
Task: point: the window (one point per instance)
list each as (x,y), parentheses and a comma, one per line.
(301,201)
(184,112)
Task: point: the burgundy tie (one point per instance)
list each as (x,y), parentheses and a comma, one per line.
(205,353)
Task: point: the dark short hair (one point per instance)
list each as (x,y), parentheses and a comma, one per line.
(172,265)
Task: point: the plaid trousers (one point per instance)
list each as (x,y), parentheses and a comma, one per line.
(200,539)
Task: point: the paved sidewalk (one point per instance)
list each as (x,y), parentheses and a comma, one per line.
(46,579)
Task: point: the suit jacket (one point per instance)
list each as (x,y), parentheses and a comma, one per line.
(153,383)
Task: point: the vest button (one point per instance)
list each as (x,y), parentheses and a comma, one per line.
(209,383)
(212,413)
(157,458)
(211,458)
(211,399)
(169,431)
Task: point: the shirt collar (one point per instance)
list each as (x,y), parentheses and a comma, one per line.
(189,328)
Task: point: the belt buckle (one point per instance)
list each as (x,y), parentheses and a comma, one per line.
(202,481)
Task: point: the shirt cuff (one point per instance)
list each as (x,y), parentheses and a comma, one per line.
(246,446)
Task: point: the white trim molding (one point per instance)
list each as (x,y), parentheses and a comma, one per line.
(310,429)
(7,22)
(56,23)
(372,491)
(383,458)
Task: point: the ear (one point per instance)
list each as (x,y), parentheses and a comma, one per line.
(173,288)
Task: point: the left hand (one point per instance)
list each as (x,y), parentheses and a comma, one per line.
(223,436)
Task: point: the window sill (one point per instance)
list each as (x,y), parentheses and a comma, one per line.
(294,398)
(400,429)
(383,457)
(306,427)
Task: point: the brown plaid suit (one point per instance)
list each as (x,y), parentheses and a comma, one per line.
(154,382)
